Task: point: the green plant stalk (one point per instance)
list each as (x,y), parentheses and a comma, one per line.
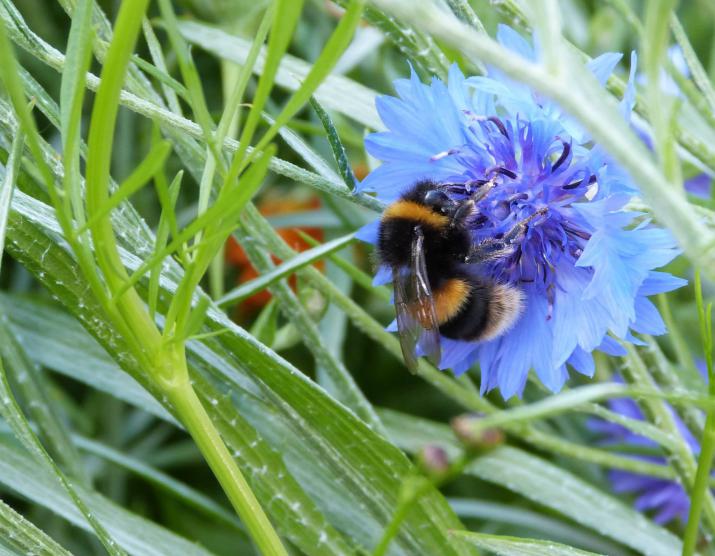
(197,422)
(414,488)
(681,457)
(164,362)
(104,114)
(707,445)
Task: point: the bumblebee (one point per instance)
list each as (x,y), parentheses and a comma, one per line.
(424,237)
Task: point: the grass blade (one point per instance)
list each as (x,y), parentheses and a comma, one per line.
(8,185)
(12,413)
(285,269)
(23,536)
(341,157)
(513,546)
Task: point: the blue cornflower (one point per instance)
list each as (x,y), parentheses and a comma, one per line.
(585,267)
(667,498)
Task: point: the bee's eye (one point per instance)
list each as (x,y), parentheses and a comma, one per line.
(438,200)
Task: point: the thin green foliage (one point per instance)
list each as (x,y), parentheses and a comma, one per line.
(513,546)
(142,174)
(8,184)
(191,78)
(700,488)
(285,269)
(311,447)
(336,145)
(23,536)
(13,415)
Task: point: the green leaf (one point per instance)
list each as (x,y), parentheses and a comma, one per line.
(513,546)
(331,52)
(33,320)
(12,414)
(519,520)
(31,387)
(351,475)
(72,89)
(181,491)
(544,483)
(8,185)
(335,93)
(285,269)
(152,163)
(22,535)
(285,18)
(137,535)
(341,157)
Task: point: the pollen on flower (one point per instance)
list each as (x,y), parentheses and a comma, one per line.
(584,264)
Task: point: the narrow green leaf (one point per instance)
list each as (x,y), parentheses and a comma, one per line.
(166,483)
(13,415)
(330,54)
(190,76)
(285,269)
(162,76)
(31,387)
(25,537)
(134,533)
(356,274)
(544,483)
(72,90)
(341,157)
(285,18)
(157,56)
(32,320)
(168,195)
(266,324)
(335,93)
(697,70)
(546,526)
(415,45)
(513,546)
(142,174)
(8,185)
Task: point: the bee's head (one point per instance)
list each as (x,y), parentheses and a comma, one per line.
(440,202)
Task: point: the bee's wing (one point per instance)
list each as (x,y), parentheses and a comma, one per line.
(416,317)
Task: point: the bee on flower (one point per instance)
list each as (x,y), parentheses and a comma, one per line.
(521,208)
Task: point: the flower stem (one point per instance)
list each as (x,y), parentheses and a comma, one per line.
(707,445)
(192,414)
(700,486)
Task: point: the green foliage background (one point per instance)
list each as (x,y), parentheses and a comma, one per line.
(310,395)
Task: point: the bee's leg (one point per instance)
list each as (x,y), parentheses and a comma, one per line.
(491,249)
(468,207)
(483,190)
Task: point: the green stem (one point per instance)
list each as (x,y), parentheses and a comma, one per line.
(197,422)
(164,362)
(699,492)
(700,486)
(414,488)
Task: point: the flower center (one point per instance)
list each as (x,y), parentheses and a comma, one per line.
(532,172)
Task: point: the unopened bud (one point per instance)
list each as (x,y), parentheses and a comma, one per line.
(467,428)
(433,460)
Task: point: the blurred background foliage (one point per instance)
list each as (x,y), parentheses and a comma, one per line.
(297,211)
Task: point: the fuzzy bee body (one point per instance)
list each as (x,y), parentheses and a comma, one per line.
(424,238)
